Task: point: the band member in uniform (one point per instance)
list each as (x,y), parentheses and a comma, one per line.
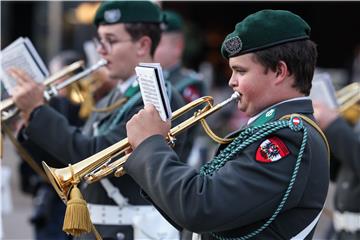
(345,159)
(129,32)
(188,82)
(271,181)
(169,54)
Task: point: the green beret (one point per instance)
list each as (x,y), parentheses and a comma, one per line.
(264,29)
(110,12)
(173,21)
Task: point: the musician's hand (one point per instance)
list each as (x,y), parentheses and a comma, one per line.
(323,114)
(27,94)
(146,123)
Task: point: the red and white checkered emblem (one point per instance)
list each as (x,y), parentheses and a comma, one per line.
(271,150)
(296,121)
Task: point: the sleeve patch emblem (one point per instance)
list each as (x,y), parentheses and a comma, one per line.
(191,93)
(271,150)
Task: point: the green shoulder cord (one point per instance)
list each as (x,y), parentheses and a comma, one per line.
(247,137)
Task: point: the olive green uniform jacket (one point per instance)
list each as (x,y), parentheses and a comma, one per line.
(242,195)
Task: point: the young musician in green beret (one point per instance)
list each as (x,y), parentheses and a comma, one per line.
(128,33)
(271,181)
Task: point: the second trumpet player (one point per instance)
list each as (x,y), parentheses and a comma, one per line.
(124,41)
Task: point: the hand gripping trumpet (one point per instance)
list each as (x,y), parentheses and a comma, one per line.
(101,164)
(8,108)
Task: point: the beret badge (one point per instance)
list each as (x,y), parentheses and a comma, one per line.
(112,16)
(233,45)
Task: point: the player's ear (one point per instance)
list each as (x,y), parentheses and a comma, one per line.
(281,72)
(143,46)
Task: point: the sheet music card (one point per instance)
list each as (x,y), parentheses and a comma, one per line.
(152,88)
(323,90)
(21,54)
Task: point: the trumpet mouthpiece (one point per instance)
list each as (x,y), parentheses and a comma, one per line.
(235,96)
(103,62)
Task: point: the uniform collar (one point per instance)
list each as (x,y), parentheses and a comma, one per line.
(288,106)
(123,86)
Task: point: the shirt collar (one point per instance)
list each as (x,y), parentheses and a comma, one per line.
(123,86)
(252,119)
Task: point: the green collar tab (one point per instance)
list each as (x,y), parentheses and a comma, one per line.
(264,118)
(132,90)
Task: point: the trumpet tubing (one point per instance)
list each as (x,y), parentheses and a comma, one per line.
(101,165)
(349,102)
(7,103)
(8,108)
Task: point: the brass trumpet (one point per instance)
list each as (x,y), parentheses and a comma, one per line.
(8,108)
(349,102)
(101,164)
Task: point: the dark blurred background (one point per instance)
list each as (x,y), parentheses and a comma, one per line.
(54,26)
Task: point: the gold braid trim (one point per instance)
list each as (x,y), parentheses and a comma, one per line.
(314,125)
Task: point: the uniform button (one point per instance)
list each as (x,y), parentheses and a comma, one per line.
(120,236)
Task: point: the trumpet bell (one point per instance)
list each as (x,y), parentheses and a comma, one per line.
(63,179)
(56,181)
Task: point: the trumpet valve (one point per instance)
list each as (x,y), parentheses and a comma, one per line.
(171,140)
(119,172)
(93,177)
(197,112)
(89,178)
